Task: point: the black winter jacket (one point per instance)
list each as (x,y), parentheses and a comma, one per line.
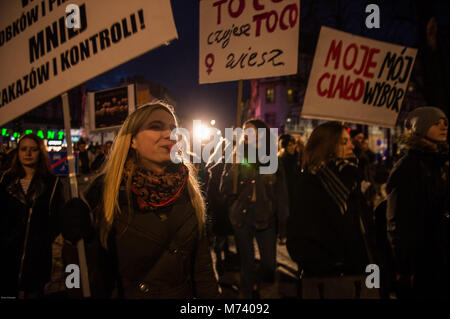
(271,206)
(217,209)
(320,239)
(418,216)
(43,201)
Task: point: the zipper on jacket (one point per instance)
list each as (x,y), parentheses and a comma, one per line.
(22,259)
(51,196)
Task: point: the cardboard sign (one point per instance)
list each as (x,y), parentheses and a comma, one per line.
(248,39)
(109,108)
(356,79)
(42,56)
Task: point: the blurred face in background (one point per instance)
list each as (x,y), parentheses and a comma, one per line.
(28,152)
(152,142)
(290,148)
(250,139)
(345,146)
(365,145)
(108,148)
(82,147)
(358,139)
(438,131)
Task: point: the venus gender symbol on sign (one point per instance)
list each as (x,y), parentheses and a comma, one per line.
(209,62)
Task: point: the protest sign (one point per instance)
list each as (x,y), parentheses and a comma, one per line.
(42,56)
(247,39)
(109,108)
(356,79)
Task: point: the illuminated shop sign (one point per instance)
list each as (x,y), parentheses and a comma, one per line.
(49,135)
(54,143)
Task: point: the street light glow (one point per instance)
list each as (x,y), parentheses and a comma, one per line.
(201,132)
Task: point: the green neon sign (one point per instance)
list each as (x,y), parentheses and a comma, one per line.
(51,135)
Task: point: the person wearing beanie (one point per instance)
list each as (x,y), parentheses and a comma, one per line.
(417,211)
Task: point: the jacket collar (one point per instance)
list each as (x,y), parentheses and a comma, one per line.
(36,189)
(419,144)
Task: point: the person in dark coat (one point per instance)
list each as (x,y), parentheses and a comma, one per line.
(324,234)
(418,210)
(288,160)
(257,207)
(366,169)
(148,237)
(83,157)
(217,213)
(31,199)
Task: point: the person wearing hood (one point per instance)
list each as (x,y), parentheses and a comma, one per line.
(417,207)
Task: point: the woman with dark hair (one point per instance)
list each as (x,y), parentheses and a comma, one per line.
(258,207)
(327,221)
(31,198)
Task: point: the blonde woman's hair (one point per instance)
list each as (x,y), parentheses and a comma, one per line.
(121,151)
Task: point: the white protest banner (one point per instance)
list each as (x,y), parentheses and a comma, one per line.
(247,39)
(357,79)
(42,56)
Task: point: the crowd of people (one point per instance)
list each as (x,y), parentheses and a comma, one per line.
(91,157)
(150,224)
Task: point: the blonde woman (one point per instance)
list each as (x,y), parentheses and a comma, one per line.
(148,215)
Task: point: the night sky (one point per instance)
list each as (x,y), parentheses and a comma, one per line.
(176,67)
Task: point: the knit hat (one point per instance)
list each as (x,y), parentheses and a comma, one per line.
(422,118)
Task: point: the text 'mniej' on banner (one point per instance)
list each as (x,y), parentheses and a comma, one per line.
(41,57)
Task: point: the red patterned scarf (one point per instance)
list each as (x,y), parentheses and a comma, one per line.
(155,190)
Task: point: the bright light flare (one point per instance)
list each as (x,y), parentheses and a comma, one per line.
(201,132)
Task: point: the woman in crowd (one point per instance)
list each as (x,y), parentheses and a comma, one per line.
(288,160)
(325,228)
(148,217)
(418,207)
(258,207)
(31,198)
